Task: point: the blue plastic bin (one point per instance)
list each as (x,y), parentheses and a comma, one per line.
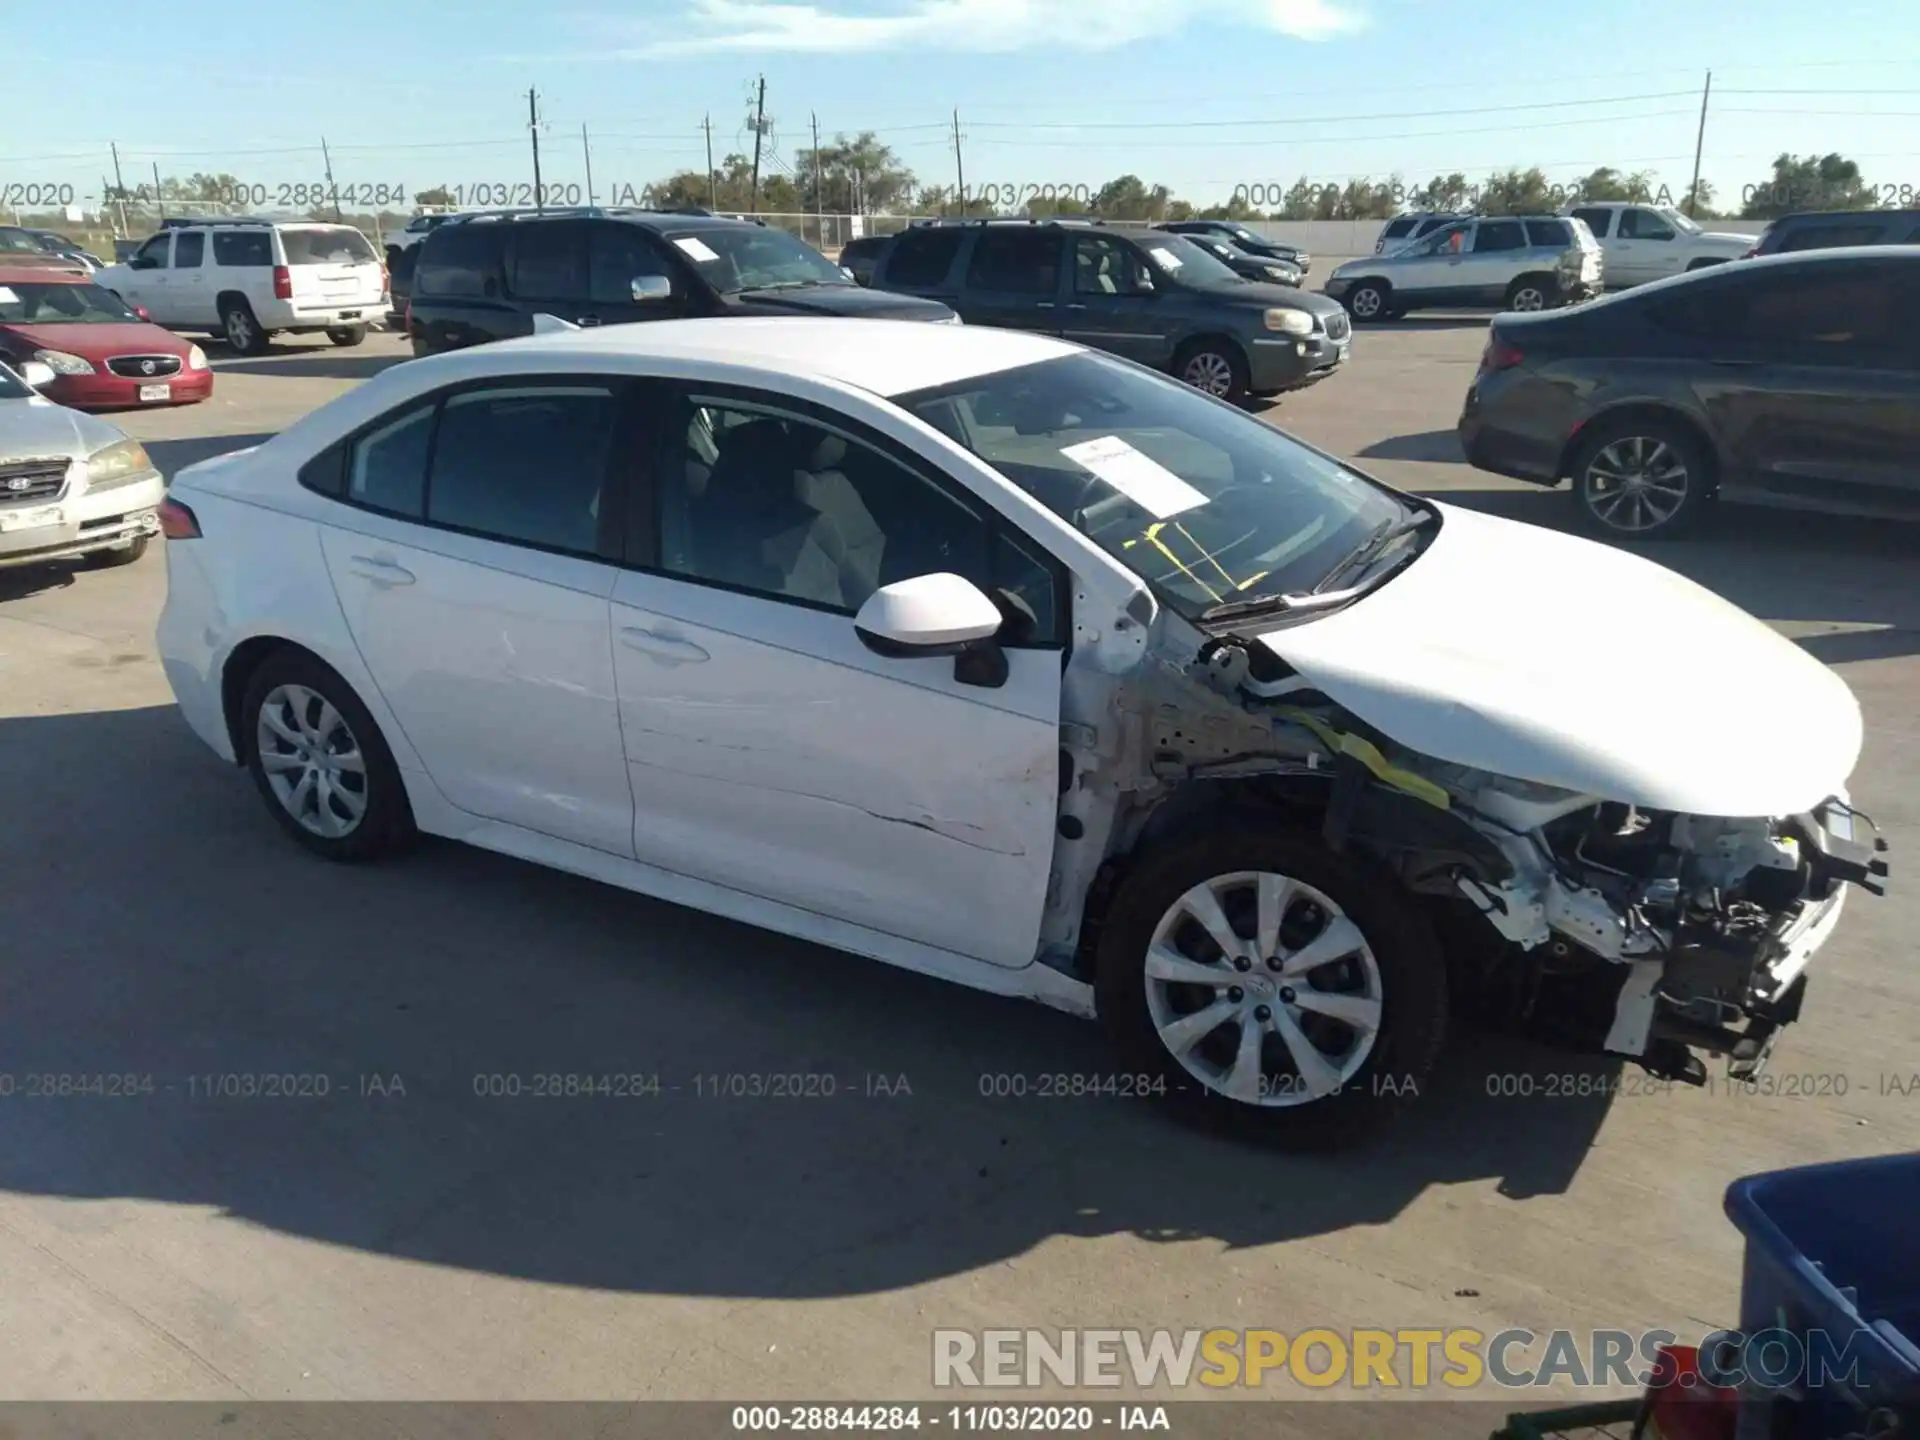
(1836,1248)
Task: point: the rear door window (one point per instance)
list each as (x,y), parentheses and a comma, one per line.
(1549,234)
(1825,237)
(1596,219)
(460,260)
(923,256)
(331,245)
(549,261)
(1839,313)
(1499,235)
(247,248)
(1016,260)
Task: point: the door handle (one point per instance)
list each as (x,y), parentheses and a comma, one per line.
(1076,307)
(379,571)
(588,320)
(668,648)
(1043,304)
(1734,364)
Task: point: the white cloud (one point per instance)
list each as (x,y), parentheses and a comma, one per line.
(709,26)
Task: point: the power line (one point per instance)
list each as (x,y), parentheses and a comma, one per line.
(1347,139)
(1322,119)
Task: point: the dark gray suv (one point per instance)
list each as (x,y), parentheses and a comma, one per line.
(1145,294)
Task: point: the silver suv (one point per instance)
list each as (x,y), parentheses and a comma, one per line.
(1513,262)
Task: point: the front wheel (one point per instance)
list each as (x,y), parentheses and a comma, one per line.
(1272,985)
(345,335)
(1215,368)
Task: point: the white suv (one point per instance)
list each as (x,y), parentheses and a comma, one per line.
(1651,242)
(248,280)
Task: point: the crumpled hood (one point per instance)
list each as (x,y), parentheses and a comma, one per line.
(1536,655)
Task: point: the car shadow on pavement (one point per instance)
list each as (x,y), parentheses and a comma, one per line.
(379,1057)
(1432,446)
(321,364)
(170,457)
(17,582)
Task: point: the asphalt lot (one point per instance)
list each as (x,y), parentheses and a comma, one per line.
(405,1237)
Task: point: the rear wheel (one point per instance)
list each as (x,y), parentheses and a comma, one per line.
(1640,479)
(241,327)
(120,555)
(1269,984)
(320,761)
(347,334)
(1531,293)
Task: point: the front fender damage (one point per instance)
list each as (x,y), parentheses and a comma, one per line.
(1672,933)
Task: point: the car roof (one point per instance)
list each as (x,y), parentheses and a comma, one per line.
(1895,215)
(42,275)
(884,357)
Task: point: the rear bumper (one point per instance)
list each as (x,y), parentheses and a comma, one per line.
(304,315)
(107,391)
(70,529)
(1512,425)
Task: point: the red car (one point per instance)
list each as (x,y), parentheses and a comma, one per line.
(103,354)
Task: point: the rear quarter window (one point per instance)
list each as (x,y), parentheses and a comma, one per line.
(337,246)
(1556,234)
(1831,237)
(923,256)
(1396,228)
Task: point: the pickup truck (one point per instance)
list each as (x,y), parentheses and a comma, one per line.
(1650,242)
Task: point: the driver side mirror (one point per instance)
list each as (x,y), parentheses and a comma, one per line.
(932,615)
(142,312)
(651,289)
(143,262)
(37,373)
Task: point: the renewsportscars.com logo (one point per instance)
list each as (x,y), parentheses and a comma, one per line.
(1370,1359)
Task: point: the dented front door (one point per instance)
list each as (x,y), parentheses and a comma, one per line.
(771,752)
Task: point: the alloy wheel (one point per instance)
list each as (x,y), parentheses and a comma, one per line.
(1636,484)
(1529,298)
(239,329)
(1263,989)
(1366,303)
(312,761)
(1210,371)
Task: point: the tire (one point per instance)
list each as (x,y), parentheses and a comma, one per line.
(1673,471)
(1369,302)
(241,328)
(345,335)
(1214,367)
(1298,1105)
(1529,294)
(120,555)
(293,686)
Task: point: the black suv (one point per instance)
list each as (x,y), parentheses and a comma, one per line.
(1838,230)
(1150,296)
(1236,234)
(485,277)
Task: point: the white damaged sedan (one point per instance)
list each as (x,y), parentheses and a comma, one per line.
(1022,666)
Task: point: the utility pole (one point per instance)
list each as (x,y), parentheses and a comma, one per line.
(333,190)
(119,185)
(158,196)
(819,195)
(1699,144)
(959,163)
(533,133)
(586,153)
(713,191)
(759,132)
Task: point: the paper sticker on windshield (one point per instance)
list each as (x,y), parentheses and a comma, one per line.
(1164,258)
(1140,478)
(694,248)
(7,297)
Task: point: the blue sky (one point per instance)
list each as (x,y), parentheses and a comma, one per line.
(1203,95)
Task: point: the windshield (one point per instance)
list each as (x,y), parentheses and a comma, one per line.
(1179,257)
(19,242)
(1202,502)
(756,258)
(1679,221)
(335,245)
(22,304)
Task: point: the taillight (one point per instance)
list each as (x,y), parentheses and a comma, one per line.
(1751,253)
(1499,355)
(177,522)
(282,283)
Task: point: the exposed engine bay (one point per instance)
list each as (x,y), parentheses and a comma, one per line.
(1590,922)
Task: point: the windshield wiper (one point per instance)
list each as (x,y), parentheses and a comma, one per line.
(1371,548)
(1276,604)
(786,285)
